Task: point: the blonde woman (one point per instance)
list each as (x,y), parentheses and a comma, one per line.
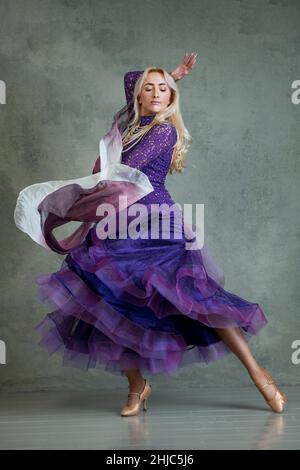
(140,305)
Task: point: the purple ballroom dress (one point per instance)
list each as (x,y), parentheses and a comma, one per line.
(139,303)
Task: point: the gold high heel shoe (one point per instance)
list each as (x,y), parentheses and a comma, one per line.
(143,396)
(277,403)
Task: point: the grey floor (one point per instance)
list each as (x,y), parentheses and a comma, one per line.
(182,419)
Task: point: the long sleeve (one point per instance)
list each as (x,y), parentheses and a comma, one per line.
(130,79)
(159,140)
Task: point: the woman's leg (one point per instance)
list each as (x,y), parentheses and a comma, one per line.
(136,384)
(234,339)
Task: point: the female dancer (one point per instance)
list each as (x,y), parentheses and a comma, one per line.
(132,304)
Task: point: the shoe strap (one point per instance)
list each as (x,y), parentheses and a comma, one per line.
(269,382)
(136,393)
(269,379)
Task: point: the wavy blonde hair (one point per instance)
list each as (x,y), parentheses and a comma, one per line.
(171,114)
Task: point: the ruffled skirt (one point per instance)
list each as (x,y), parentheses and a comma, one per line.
(150,304)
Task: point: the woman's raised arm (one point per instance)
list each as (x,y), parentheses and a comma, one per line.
(130,79)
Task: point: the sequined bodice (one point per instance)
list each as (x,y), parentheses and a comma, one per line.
(153,153)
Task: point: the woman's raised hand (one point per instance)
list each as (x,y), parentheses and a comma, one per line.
(185,67)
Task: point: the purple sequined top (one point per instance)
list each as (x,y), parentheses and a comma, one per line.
(153,153)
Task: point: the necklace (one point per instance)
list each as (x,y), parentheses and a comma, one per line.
(131,132)
(134,130)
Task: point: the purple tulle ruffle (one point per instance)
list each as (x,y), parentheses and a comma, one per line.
(139,303)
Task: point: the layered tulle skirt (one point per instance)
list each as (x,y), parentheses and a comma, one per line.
(150,304)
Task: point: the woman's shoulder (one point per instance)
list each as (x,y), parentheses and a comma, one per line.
(165,132)
(165,127)
(166,124)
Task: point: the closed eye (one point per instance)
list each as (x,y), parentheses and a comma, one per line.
(161,89)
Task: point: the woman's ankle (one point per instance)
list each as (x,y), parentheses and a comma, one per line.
(256,374)
(136,385)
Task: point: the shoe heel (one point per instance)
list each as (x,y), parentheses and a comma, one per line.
(145,404)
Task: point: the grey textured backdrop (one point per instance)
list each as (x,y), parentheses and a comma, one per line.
(63,64)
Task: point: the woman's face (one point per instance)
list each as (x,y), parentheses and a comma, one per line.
(155,95)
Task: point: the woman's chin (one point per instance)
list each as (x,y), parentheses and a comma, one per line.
(154,108)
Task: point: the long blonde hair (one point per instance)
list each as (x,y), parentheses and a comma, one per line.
(171,114)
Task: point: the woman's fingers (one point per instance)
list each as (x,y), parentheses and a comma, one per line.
(186,65)
(190,59)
